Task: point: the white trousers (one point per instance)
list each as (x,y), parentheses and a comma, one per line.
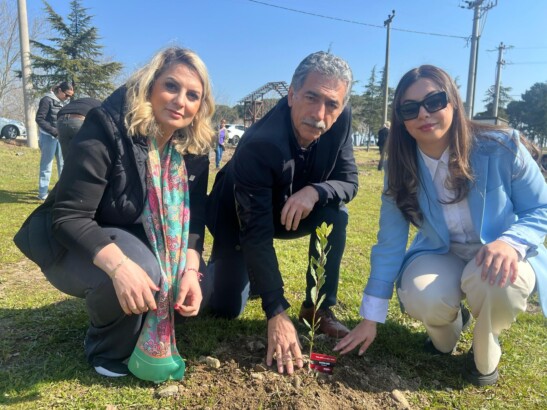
(432,287)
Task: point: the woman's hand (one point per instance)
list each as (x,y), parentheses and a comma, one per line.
(498,259)
(134,288)
(364,333)
(189,297)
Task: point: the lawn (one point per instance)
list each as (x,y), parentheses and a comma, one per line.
(41,354)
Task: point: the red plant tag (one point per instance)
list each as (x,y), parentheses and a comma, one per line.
(322,363)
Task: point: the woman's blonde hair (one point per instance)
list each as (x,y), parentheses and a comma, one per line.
(195,138)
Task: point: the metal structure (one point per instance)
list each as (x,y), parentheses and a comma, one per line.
(254,106)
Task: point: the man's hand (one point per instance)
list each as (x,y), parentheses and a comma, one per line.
(499,260)
(283,342)
(298,207)
(364,333)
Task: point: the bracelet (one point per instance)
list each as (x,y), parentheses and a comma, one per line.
(198,273)
(112,273)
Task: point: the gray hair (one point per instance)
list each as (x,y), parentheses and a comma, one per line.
(325,64)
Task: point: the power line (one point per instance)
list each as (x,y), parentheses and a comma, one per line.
(355,22)
(527,62)
(531,48)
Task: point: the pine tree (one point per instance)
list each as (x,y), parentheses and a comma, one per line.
(74,55)
(373,101)
(489,96)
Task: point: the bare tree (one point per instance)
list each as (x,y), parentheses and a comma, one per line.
(11,87)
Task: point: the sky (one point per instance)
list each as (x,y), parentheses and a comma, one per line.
(248,43)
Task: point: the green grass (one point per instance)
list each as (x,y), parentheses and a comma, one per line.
(42,364)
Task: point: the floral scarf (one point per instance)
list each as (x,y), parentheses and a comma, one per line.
(166,222)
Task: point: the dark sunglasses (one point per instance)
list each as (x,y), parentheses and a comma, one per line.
(433,103)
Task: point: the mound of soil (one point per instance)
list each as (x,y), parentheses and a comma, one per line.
(240,379)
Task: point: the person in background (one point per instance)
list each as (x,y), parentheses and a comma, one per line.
(70,119)
(293,170)
(127,217)
(383,135)
(222,137)
(479,202)
(46,118)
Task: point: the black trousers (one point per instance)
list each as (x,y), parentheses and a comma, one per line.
(226,283)
(112,335)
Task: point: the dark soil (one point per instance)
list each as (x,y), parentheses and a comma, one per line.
(243,381)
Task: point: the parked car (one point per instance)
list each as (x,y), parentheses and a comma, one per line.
(235,132)
(11,129)
(360,140)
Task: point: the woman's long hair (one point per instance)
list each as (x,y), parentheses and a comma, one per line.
(402,170)
(194,139)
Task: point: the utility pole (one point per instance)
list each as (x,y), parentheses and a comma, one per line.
(500,62)
(387,24)
(478,11)
(30,113)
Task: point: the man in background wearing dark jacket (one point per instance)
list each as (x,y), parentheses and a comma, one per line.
(383,134)
(70,119)
(293,170)
(46,118)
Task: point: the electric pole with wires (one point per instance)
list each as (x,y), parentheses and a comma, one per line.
(479,11)
(387,24)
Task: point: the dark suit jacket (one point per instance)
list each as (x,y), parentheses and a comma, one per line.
(251,189)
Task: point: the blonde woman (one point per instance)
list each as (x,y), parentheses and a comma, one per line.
(125,225)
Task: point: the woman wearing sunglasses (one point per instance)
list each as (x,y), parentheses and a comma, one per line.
(479,203)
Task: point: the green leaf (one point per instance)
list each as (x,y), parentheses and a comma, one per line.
(320,282)
(321,300)
(324,242)
(318,247)
(313,274)
(313,293)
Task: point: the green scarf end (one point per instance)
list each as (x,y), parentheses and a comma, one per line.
(155,369)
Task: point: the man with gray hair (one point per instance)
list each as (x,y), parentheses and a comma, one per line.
(292,170)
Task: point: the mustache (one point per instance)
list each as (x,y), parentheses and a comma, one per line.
(316,124)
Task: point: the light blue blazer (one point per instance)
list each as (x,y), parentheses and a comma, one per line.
(508,197)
